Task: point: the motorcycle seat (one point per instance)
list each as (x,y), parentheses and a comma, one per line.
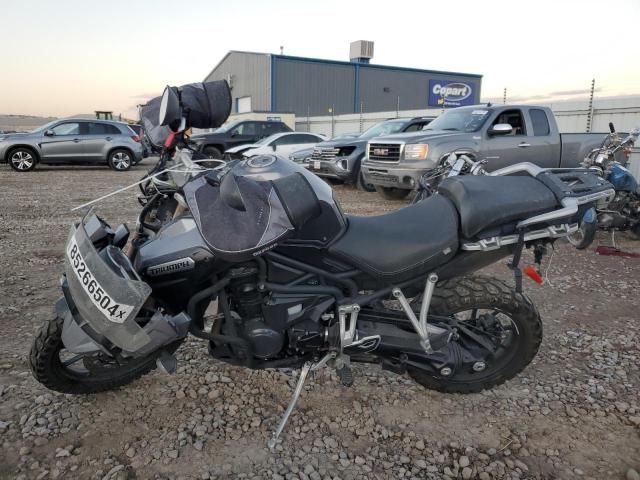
(484,202)
(401,244)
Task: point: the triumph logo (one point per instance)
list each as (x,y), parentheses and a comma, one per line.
(383,152)
(180,265)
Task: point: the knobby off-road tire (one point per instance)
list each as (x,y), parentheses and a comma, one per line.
(468,293)
(47,367)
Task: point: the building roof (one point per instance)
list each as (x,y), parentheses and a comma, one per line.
(342,62)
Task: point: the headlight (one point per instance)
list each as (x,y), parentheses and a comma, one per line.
(416,151)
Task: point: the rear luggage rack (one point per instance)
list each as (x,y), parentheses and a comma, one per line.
(572,187)
(494,243)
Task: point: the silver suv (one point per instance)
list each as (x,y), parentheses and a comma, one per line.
(73,141)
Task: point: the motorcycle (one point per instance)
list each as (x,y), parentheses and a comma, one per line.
(450,165)
(298,284)
(609,162)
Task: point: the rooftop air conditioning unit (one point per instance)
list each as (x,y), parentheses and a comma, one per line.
(361,51)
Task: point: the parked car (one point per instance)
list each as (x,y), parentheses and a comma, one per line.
(282,144)
(214,144)
(344,136)
(340,158)
(302,156)
(503,135)
(73,141)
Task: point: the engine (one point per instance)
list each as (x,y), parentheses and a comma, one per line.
(271,323)
(247,301)
(625,206)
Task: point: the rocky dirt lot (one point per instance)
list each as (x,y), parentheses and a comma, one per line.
(573,413)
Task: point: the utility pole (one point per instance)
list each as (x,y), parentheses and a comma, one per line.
(398,107)
(361,119)
(504,96)
(308,121)
(333,125)
(281,49)
(590,114)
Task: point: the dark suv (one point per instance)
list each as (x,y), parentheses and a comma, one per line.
(340,158)
(214,144)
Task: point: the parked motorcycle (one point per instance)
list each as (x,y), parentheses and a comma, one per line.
(609,161)
(298,284)
(450,165)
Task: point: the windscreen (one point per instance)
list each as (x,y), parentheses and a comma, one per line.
(149,114)
(384,128)
(461,120)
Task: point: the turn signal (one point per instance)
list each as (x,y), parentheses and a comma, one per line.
(533,274)
(627,153)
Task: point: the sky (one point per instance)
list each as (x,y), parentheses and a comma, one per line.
(65,57)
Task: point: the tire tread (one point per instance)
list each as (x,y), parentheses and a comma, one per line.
(463,293)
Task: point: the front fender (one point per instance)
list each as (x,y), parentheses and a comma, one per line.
(74,338)
(79,333)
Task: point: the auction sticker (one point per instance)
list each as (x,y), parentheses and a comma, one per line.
(114,311)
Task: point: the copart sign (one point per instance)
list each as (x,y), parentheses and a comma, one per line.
(444,93)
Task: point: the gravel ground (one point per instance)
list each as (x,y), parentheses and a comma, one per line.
(573,413)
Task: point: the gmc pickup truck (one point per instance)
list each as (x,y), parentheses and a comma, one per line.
(340,157)
(503,135)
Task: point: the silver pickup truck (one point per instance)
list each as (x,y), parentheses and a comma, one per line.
(504,135)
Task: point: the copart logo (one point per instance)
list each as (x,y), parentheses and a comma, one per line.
(453,92)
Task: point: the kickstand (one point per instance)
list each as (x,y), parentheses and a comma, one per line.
(306,368)
(292,404)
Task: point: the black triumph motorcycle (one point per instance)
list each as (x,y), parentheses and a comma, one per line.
(299,284)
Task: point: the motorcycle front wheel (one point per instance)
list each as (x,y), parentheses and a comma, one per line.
(586,231)
(57,369)
(489,308)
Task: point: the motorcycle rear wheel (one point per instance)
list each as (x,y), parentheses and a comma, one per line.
(452,298)
(59,370)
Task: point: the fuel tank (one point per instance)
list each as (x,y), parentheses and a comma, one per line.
(177,262)
(622,179)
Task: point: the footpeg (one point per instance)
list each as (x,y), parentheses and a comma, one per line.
(167,362)
(345,375)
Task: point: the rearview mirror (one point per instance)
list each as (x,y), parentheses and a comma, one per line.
(501,129)
(273,147)
(49,133)
(170,110)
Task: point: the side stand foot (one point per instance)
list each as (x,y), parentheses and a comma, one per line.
(292,404)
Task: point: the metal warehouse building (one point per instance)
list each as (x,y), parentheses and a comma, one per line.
(310,86)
